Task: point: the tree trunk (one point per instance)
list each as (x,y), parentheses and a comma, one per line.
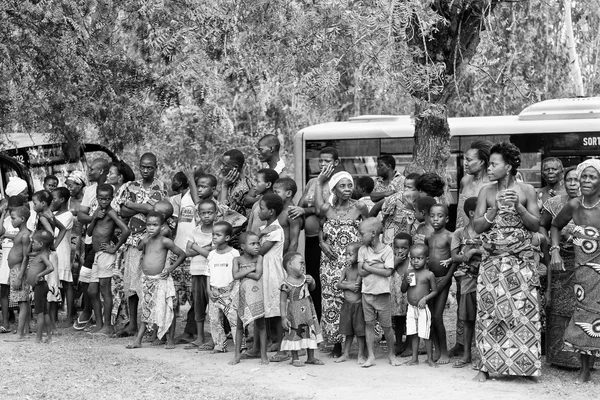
(572,49)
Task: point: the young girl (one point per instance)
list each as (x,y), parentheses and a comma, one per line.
(298,316)
(248,269)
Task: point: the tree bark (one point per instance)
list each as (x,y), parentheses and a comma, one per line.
(572,50)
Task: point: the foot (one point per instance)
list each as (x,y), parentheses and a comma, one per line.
(158,342)
(184,338)
(412,362)
(461,363)
(583,377)
(252,353)
(361,360)
(432,363)
(406,353)
(337,350)
(443,359)
(194,345)
(314,361)
(217,351)
(273,347)
(344,357)
(264,361)
(369,363)
(398,350)
(106,330)
(133,346)
(481,377)
(456,351)
(236,360)
(170,344)
(393,361)
(125,333)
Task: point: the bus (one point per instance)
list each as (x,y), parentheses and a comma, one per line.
(568,129)
(32,156)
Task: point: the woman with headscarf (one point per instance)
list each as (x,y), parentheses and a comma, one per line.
(583,333)
(340,218)
(76,182)
(507,328)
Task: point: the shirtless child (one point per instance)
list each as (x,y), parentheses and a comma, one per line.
(157,283)
(419,284)
(102,230)
(17,262)
(39,267)
(352,319)
(286,189)
(422,208)
(440,263)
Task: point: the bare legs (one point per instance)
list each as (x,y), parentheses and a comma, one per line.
(67,293)
(105,288)
(4,290)
(584,374)
(43,324)
(94,296)
(370,339)
(415,351)
(23,324)
(348,344)
(438,330)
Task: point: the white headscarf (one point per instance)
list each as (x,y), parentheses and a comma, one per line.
(15,186)
(592,162)
(334,181)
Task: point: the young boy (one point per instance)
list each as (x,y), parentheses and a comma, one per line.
(422,207)
(166,209)
(50,183)
(157,283)
(17,262)
(409,182)
(286,189)
(440,263)
(363,189)
(60,203)
(7,234)
(39,267)
(419,284)
(402,243)
(207,186)
(102,230)
(466,251)
(376,265)
(352,319)
(221,285)
(199,246)
(265,179)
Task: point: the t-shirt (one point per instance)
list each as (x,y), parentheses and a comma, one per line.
(186,222)
(63,251)
(372,283)
(220,267)
(89,200)
(176,203)
(198,264)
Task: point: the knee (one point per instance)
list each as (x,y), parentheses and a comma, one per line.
(92,290)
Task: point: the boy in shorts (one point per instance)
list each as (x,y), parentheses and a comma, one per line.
(352,319)
(39,267)
(376,265)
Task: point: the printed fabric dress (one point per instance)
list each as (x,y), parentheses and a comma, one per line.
(338,233)
(583,333)
(507,329)
(305,332)
(251,305)
(396,212)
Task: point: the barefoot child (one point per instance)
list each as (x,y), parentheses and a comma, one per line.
(198,247)
(39,267)
(157,283)
(402,243)
(17,261)
(222,289)
(419,284)
(102,230)
(352,318)
(60,202)
(440,263)
(376,265)
(298,315)
(248,269)
(286,189)
(422,208)
(467,251)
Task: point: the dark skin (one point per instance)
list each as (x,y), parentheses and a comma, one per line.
(291,227)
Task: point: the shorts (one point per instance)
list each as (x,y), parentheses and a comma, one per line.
(378,307)
(418,321)
(85,273)
(200,296)
(40,300)
(352,319)
(104,264)
(467,307)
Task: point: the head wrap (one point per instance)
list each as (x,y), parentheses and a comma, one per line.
(77,177)
(592,162)
(15,186)
(334,181)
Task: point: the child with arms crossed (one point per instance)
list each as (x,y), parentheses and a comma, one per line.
(419,284)
(157,283)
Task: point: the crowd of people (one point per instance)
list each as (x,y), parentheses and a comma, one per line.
(378,259)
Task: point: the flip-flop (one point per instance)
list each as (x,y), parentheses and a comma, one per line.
(280,358)
(4,330)
(206,347)
(191,346)
(80,325)
(247,356)
(296,363)
(316,361)
(460,364)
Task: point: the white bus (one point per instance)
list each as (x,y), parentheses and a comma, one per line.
(568,129)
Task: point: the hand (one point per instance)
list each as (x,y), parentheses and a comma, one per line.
(189,174)
(295,212)
(328,251)
(287,325)
(356,287)
(211,296)
(310,280)
(467,256)
(511,198)
(410,218)
(164,273)
(267,230)
(446,263)
(108,248)
(325,174)
(99,213)
(18,282)
(231,177)
(422,303)
(556,261)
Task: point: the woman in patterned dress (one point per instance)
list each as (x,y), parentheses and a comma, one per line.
(507,329)
(583,333)
(339,220)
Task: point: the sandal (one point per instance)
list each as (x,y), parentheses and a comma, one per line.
(460,364)
(80,325)
(297,363)
(279,358)
(206,347)
(315,361)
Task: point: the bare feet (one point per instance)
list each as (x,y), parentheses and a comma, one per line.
(481,377)
(393,361)
(170,344)
(264,361)
(412,362)
(444,359)
(236,360)
(133,346)
(369,363)
(106,330)
(344,357)
(456,351)
(583,377)
(361,360)
(432,363)
(158,342)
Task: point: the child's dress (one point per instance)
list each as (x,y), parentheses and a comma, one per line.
(251,304)
(396,211)
(305,332)
(273,273)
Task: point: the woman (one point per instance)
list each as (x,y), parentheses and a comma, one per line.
(583,333)
(340,218)
(76,182)
(508,318)
(118,174)
(561,299)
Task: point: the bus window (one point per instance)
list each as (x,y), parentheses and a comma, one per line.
(530,169)
(397,146)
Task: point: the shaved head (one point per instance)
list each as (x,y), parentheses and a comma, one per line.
(149,157)
(101,163)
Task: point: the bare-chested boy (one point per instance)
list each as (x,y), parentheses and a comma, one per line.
(422,207)
(17,262)
(352,318)
(166,208)
(286,189)
(440,263)
(39,267)
(419,284)
(102,230)
(157,283)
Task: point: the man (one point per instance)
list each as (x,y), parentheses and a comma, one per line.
(388,181)
(552,173)
(137,201)
(268,153)
(237,190)
(96,175)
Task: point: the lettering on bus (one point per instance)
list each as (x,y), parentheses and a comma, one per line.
(591,141)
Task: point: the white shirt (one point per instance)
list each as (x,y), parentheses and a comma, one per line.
(89,200)
(63,251)
(220,267)
(186,221)
(198,264)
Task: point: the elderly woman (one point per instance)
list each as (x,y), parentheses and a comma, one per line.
(340,218)
(508,317)
(583,333)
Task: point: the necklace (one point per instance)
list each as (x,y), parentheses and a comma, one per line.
(345,210)
(588,207)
